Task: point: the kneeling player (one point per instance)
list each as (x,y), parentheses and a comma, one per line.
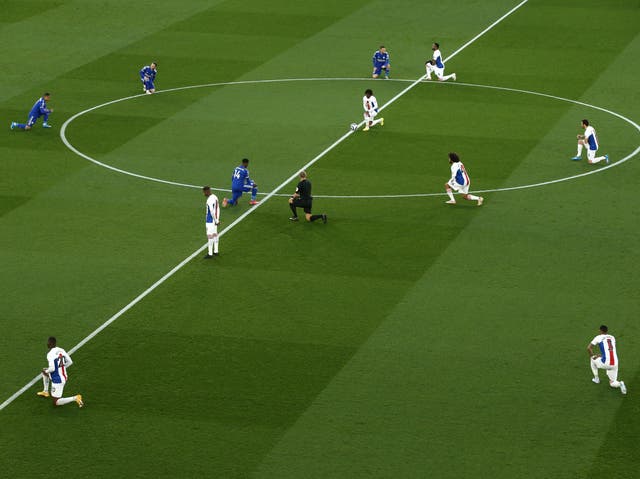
(590,141)
(459,181)
(148,77)
(56,374)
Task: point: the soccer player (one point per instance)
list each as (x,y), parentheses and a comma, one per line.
(381,62)
(302,199)
(148,76)
(590,140)
(39,109)
(607,359)
(459,181)
(56,375)
(240,182)
(370,105)
(436,65)
(212,219)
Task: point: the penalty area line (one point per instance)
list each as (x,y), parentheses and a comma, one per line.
(273,193)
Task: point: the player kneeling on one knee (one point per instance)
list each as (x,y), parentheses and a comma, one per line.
(459,181)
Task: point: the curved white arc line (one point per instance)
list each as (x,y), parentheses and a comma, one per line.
(413,84)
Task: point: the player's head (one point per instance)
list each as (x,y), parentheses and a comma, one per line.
(303,175)
(245,162)
(453,157)
(435,46)
(153,65)
(51,342)
(585,123)
(604,329)
(382,49)
(368,93)
(46,96)
(206,190)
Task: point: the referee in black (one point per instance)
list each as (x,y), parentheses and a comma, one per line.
(302,199)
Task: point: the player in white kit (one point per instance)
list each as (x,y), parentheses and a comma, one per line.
(607,359)
(590,141)
(212,219)
(436,65)
(370,105)
(459,181)
(56,375)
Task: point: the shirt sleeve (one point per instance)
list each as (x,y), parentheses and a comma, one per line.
(597,340)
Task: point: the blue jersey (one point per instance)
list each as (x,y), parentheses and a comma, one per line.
(39,108)
(147,74)
(380,59)
(240,178)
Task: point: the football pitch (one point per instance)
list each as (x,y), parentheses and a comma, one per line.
(405,337)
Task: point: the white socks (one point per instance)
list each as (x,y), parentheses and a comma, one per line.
(472,197)
(598,159)
(210,246)
(450,193)
(215,244)
(45,383)
(63,401)
(579,149)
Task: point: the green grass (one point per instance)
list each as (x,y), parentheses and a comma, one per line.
(402,339)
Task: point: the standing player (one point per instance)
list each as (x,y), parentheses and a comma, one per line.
(211,222)
(240,182)
(56,374)
(148,76)
(302,199)
(39,109)
(607,359)
(436,65)
(381,62)
(590,140)
(459,181)
(370,105)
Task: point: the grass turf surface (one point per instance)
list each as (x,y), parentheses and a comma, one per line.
(403,338)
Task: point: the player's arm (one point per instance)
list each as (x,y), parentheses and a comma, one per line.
(50,369)
(67,360)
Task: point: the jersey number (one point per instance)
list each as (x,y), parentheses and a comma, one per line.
(610,344)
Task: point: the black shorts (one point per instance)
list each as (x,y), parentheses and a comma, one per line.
(305,204)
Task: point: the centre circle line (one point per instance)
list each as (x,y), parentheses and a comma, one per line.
(68,144)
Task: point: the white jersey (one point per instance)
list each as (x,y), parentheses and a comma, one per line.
(59,361)
(212,209)
(459,174)
(370,104)
(437,58)
(607,344)
(590,136)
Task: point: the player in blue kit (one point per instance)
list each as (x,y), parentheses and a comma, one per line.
(381,62)
(39,109)
(148,76)
(240,182)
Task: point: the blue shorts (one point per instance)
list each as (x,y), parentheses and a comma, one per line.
(378,70)
(148,85)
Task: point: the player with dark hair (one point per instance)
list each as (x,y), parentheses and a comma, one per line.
(302,199)
(381,62)
(590,141)
(56,375)
(39,109)
(607,359)
(148,77)
(459,181)
(240,182)
(212,219)
(370,105)
(436,65)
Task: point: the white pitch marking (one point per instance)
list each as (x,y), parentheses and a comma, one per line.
(408,195)
(240,218)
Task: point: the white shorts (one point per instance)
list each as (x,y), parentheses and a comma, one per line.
(57,389)
(370,115)
(464,189)
(591,154)
(438,71)
(212,229)
(612,371)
